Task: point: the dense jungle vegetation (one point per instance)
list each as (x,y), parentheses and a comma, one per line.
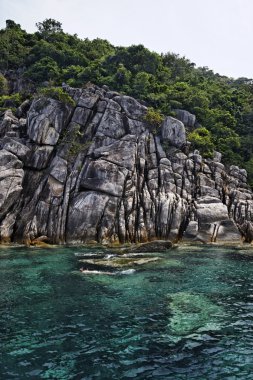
(223,106)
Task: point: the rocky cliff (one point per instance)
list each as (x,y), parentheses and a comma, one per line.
(99,171)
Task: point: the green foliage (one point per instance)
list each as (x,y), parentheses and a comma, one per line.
(3,85)
(201,139)
(57,93)
(248,165)
(10,24)
(43,70)
(13,49)
(10,101)
(71,72)
(49,26)
(122,77)
(142,84)
(223,106)
(228,142)
(154,118)
(72,138)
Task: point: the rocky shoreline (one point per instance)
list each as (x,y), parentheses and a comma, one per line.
(100,172)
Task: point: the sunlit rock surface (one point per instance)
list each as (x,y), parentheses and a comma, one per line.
(100,172)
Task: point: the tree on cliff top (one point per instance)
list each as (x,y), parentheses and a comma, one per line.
(49,26)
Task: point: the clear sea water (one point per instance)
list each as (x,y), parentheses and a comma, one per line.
(188,315)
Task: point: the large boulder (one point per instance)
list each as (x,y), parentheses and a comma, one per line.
(186,117)
(87,100)
(9,124)
(85,213)
(131,107)
(173,132)
(112,124)
(121,153)
(81,116)
(38,157)
(46,120)
(104,176)
(212,223)
(16,147)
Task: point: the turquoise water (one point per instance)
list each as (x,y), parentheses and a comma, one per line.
(187,315)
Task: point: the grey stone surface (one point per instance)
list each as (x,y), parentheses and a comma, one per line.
(187,118)
(16,147)
(131,107)
(173,132)
(81,116)
(11,178)
(46,119)
(87,101)
(38,157)
(111,124)
(96,172)
(104,176)
(8,124)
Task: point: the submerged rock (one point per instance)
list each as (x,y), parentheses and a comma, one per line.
(121,262)
(193,313)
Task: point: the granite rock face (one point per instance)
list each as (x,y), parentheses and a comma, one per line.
(173,131)
(96,172)
(46,120)
(186,117)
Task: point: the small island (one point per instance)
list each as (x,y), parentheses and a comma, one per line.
(126,212)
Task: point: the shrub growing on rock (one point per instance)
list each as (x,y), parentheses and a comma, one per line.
(57,93)
(154,118)
(201,139)
(10,102)
(3,85)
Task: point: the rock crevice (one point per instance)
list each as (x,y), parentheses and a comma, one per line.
(96,172)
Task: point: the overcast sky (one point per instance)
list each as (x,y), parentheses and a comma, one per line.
(213,33)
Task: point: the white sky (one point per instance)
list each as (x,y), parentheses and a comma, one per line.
(213,33)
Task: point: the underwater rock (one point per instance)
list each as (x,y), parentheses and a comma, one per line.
(121,262)
(193,313)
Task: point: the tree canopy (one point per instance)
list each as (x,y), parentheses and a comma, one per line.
(223,106)
(49,26)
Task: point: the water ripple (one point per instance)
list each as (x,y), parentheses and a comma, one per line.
(188,316)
